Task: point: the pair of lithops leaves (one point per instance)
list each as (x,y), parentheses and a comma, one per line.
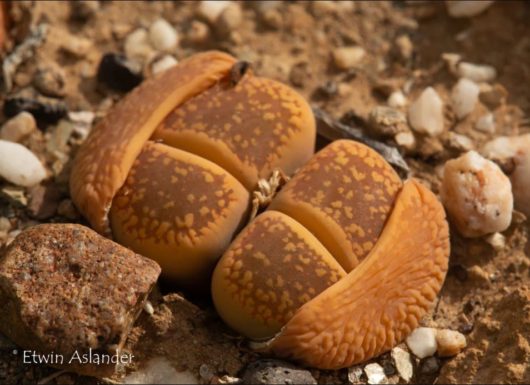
(339,268)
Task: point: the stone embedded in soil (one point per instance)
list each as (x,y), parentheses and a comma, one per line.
(20,166)
(403,363)
(164,63)
(198,32)
(43,201)
(405,140)
(397,99)
(387,121)
(50,80)
(76,46)
(426,113)
(476,72)
(464,97)
(211,10)
(119,73)
(486,123)
(66,289)
(460,142)
(163,36)
(477,195)
(160,371)
(466,8)
(422,342)
(450,342)
(375,374)
(270,371)
(346,58)
(514,154)
(229,19)
(18,128)
(137,45)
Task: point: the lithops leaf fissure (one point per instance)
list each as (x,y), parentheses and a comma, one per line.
(249,128)
(104,160)
(179,209)
(377,304)
(343,195)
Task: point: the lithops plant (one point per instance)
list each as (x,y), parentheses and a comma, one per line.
(169,170)
(343,264)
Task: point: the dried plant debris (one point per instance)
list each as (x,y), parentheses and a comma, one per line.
(332,130)
(21,53)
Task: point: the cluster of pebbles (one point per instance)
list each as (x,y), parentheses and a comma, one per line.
(480,187)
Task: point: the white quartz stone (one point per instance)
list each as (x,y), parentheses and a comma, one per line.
(19,165)
(164,63)
(426,113)
(211,10)
(163,36)
(375,374)
(464,97)
(467,8)
(477,72)
(477,195)
(515,152)
(403,363)
(422,342)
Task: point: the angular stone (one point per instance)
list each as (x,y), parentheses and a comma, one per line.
(450,342)
(403,363)
(65,289)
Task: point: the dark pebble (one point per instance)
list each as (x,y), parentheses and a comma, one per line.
(430,365)
(119,73)
(276,372)
(44,112)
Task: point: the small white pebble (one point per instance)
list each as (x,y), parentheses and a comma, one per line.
(476,72)
(346,58)
(464,97)
(19,165)
(497,241)
(137,45)
(163,36)
(405,140)
(403,363)
(486,123)
(164,63)
(397,99)
(375,374)
(148,307)
(516,151)
(19,127)
(426,113)
(422,342)
(466,8)
(450,342)
(229,19)
(477,195)
(211,10)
